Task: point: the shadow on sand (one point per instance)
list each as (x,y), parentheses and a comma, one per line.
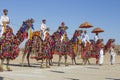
(56,71)
(1,78)
(111,79)
(72,79)
(91,68)
(25,65)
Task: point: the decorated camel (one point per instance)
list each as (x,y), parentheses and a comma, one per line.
(38,49)
(9,42)
(75,46)
(93,50)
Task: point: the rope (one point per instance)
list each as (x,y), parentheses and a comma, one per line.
(14,24)
(18,25)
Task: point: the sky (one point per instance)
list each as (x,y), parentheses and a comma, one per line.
(100,13)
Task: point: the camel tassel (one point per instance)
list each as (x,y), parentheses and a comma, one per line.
(4,24)
(31,33)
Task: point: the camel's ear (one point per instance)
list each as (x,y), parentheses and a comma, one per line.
(32,20)
(24,22)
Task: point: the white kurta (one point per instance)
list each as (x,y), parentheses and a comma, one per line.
(112,54)
(43,28)
(96,38)
(101,58)
(85,38)
(3,19)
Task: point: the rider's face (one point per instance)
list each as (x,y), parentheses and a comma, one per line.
(6,13)
(62,24)
(44,22)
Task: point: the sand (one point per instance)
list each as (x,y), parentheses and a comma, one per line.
(71,72)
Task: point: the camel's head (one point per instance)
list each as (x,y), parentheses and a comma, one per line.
(100,43)
(56,35)
(110,43)
(27,24)
(78,33)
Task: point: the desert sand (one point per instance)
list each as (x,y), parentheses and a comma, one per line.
(71,72)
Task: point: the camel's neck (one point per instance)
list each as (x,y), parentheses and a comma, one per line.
(22,34)
(108,45)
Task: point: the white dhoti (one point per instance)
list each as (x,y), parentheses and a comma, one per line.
(112,57)
(84,42)
(1,31)
(44,35)
(101,58)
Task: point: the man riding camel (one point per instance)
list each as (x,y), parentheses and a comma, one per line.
(43,29)
(96,37)
(4,22)
(85,38)
(62,30)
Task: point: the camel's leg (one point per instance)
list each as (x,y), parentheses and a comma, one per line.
(1,65)
(7,66)
(50,62)
(97,60)
(59,60)
(41,66)
(72,61)
(75,61)
(88,61)
(28,59)
(47,63)
(23,57)
(66,60)
(84,61)
(79,52)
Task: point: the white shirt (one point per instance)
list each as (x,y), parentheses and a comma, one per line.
(43,27)
(4,18)
(112,51)
(96,38)
(85,38)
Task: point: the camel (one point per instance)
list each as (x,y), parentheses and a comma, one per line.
(93,49)
(67,47)
(75,46)
(9,42)
(37,48)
